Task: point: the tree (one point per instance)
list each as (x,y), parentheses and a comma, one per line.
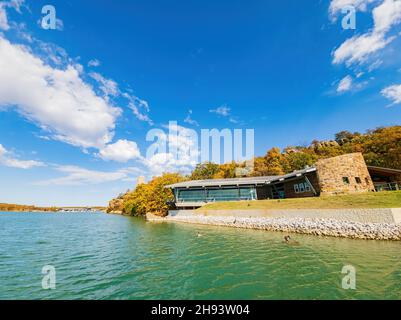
(382,147)
(204,171)
(276,163)
(260,167)
(343,137)
(152,197)
(300,160)
(226,171)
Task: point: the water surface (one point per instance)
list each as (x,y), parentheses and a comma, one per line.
(99,256)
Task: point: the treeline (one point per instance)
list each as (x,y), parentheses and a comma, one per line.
(381,147)
(6,207)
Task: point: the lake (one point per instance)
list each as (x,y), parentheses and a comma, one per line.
(99,256)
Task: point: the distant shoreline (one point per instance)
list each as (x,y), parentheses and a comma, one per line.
(6,207)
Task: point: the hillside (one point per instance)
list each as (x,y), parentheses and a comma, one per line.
(380,147)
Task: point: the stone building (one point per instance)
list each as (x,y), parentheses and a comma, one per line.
(344,174)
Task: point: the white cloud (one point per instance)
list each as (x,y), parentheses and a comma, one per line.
(94,63)
(225,111)
(107,86)
(375,65)
(59,25)
(222,111)
(387,15)
(81,176)
(54,93)
(2,150)
(180,137)
(3,17)
(57,100)
(182,154)
(8,160)
(15,4)
(358,48)
(121,151)
(336,6)
(393,93)
(345,84)
(139,107)
(189,119)
(166,162)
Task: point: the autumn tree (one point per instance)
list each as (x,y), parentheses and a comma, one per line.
(226,171)
(299,160)
(152,197)
(204,171)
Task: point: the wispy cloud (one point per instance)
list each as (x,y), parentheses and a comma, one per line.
(393,93)
(56,99)
(182,155)
(139,107)
(359,48)
(75,176)
(224,111)
(15,4)
(189,119)
(58,96)
(8,160)
(107,86)
(94,63)
(345,84)
(336,6)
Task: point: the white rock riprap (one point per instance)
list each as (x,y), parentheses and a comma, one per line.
(320,227)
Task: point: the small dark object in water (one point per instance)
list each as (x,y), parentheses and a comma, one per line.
(288,240)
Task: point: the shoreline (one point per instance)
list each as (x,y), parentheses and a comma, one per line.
(317,227)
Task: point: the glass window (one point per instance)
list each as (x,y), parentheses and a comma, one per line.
(358,180)
(212,195)
(346,180)
(189,195)
(248,193)
(296,188)
(222,195)
(301,187)
(307,187)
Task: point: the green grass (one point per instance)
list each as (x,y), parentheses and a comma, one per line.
(391,199)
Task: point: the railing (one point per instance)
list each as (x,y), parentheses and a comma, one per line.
(391,186)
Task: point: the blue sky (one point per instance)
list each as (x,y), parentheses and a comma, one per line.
(76,103)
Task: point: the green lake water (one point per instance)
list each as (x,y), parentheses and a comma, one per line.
(99,256)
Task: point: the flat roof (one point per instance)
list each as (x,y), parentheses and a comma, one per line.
(386,170)
(239,181)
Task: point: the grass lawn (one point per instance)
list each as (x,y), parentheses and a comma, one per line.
(390,199)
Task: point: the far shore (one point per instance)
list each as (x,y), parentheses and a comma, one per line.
(5,207)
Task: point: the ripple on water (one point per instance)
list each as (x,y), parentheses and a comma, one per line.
(112,257)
